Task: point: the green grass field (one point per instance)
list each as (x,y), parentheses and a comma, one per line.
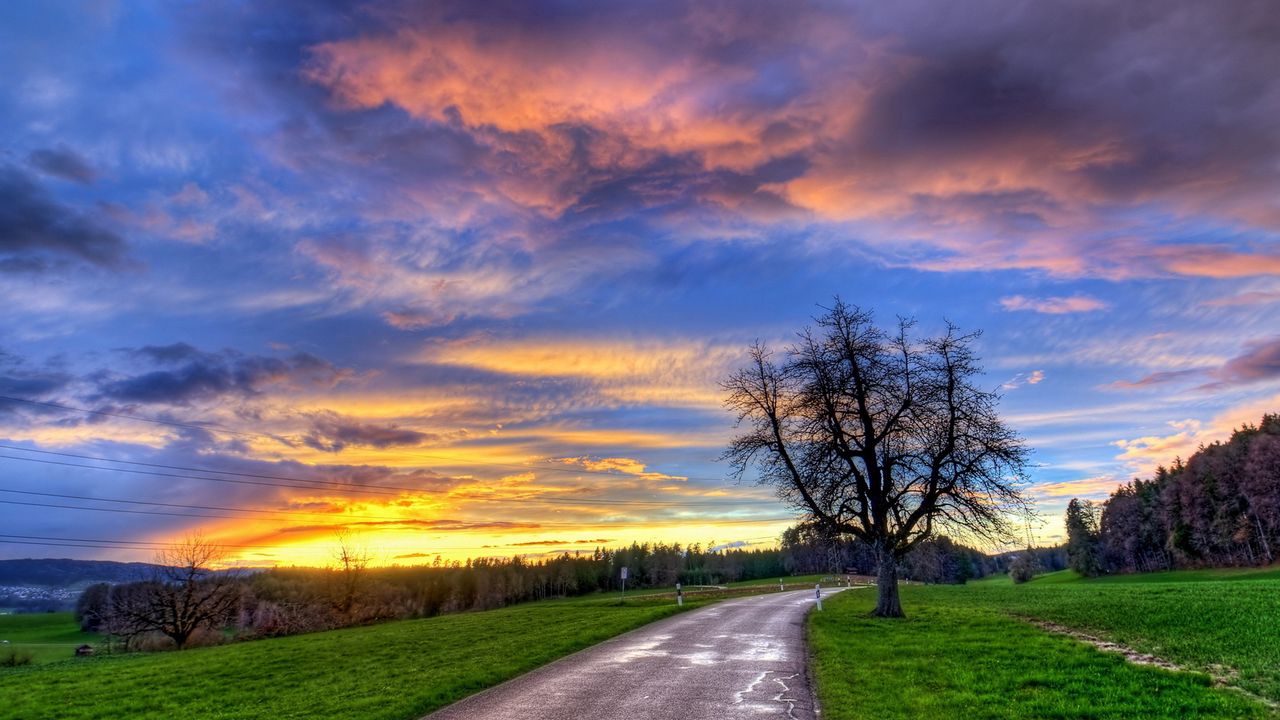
(964,651)
(46,636)
(396,670)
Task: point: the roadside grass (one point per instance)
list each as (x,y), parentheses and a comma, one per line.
(961,659)
(967,651)
(392,671)
(46,636)
(733,589)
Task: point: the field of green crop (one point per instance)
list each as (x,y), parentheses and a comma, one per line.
(973,656)
(46,636)
(1221,622)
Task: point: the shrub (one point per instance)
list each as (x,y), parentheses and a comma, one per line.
(13,658)
(1023,567)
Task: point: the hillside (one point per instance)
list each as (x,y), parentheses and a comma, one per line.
(50,585)
(63,572)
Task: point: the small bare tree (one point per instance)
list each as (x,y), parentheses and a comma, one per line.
(352,562)
(879,436)
(186,594)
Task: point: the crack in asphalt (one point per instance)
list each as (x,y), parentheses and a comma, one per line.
(791,702)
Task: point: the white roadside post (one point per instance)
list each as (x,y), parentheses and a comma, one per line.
(624,583)
(781,587)
(679,596)
(817,594)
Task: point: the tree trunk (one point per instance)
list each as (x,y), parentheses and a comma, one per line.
(1262,535)
(888,605)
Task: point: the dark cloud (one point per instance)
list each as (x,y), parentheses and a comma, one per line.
(1131,100)
(332,432)
(166,354)
(1154,379)
(960,102)
(1260,362)
(19,379)
(36,232)
(192,375)
(63,162)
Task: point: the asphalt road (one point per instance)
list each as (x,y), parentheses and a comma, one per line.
(735,659)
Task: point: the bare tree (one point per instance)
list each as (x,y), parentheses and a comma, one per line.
(186,593)
(877,435)
(349,586)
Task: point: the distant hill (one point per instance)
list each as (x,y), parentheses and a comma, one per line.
(63,572)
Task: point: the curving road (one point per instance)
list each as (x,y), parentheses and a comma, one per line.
(735,659)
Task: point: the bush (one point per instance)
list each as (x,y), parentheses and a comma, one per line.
(1023,567)
(13,658)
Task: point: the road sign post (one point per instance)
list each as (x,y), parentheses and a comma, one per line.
(817,594)
(624,583)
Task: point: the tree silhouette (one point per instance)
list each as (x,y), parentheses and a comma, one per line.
(186,594)
(879,436)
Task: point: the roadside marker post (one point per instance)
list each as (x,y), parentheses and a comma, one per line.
(679,596)
(781,587)
(817,594)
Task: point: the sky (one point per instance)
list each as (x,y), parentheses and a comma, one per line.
(461,279)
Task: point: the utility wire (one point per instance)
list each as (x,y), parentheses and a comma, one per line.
(385,489)
(331,516)
(155,473)
(535,524)
(214,427)
(162,545)
(152,545)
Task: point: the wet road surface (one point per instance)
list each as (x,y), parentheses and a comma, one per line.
(736,659)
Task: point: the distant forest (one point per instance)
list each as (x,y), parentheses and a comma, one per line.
(1220,508)
(286,601)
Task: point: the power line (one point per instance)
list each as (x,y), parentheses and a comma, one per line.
(188,469)
(154,473)
(121,510)
(194,507)
(538,523)
(214,427)
(74,545)
(149,545)
(386,489)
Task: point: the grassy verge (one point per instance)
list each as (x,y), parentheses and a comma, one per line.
(963,652)
(46,636)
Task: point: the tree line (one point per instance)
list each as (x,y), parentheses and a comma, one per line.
(184,601)
(1220,508)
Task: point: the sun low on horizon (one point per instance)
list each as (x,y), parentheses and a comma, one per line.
(454,280)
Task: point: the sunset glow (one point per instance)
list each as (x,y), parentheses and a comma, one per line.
(463,280)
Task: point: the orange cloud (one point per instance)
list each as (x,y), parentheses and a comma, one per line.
(626,466)
(1144,454)
(1093,487)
